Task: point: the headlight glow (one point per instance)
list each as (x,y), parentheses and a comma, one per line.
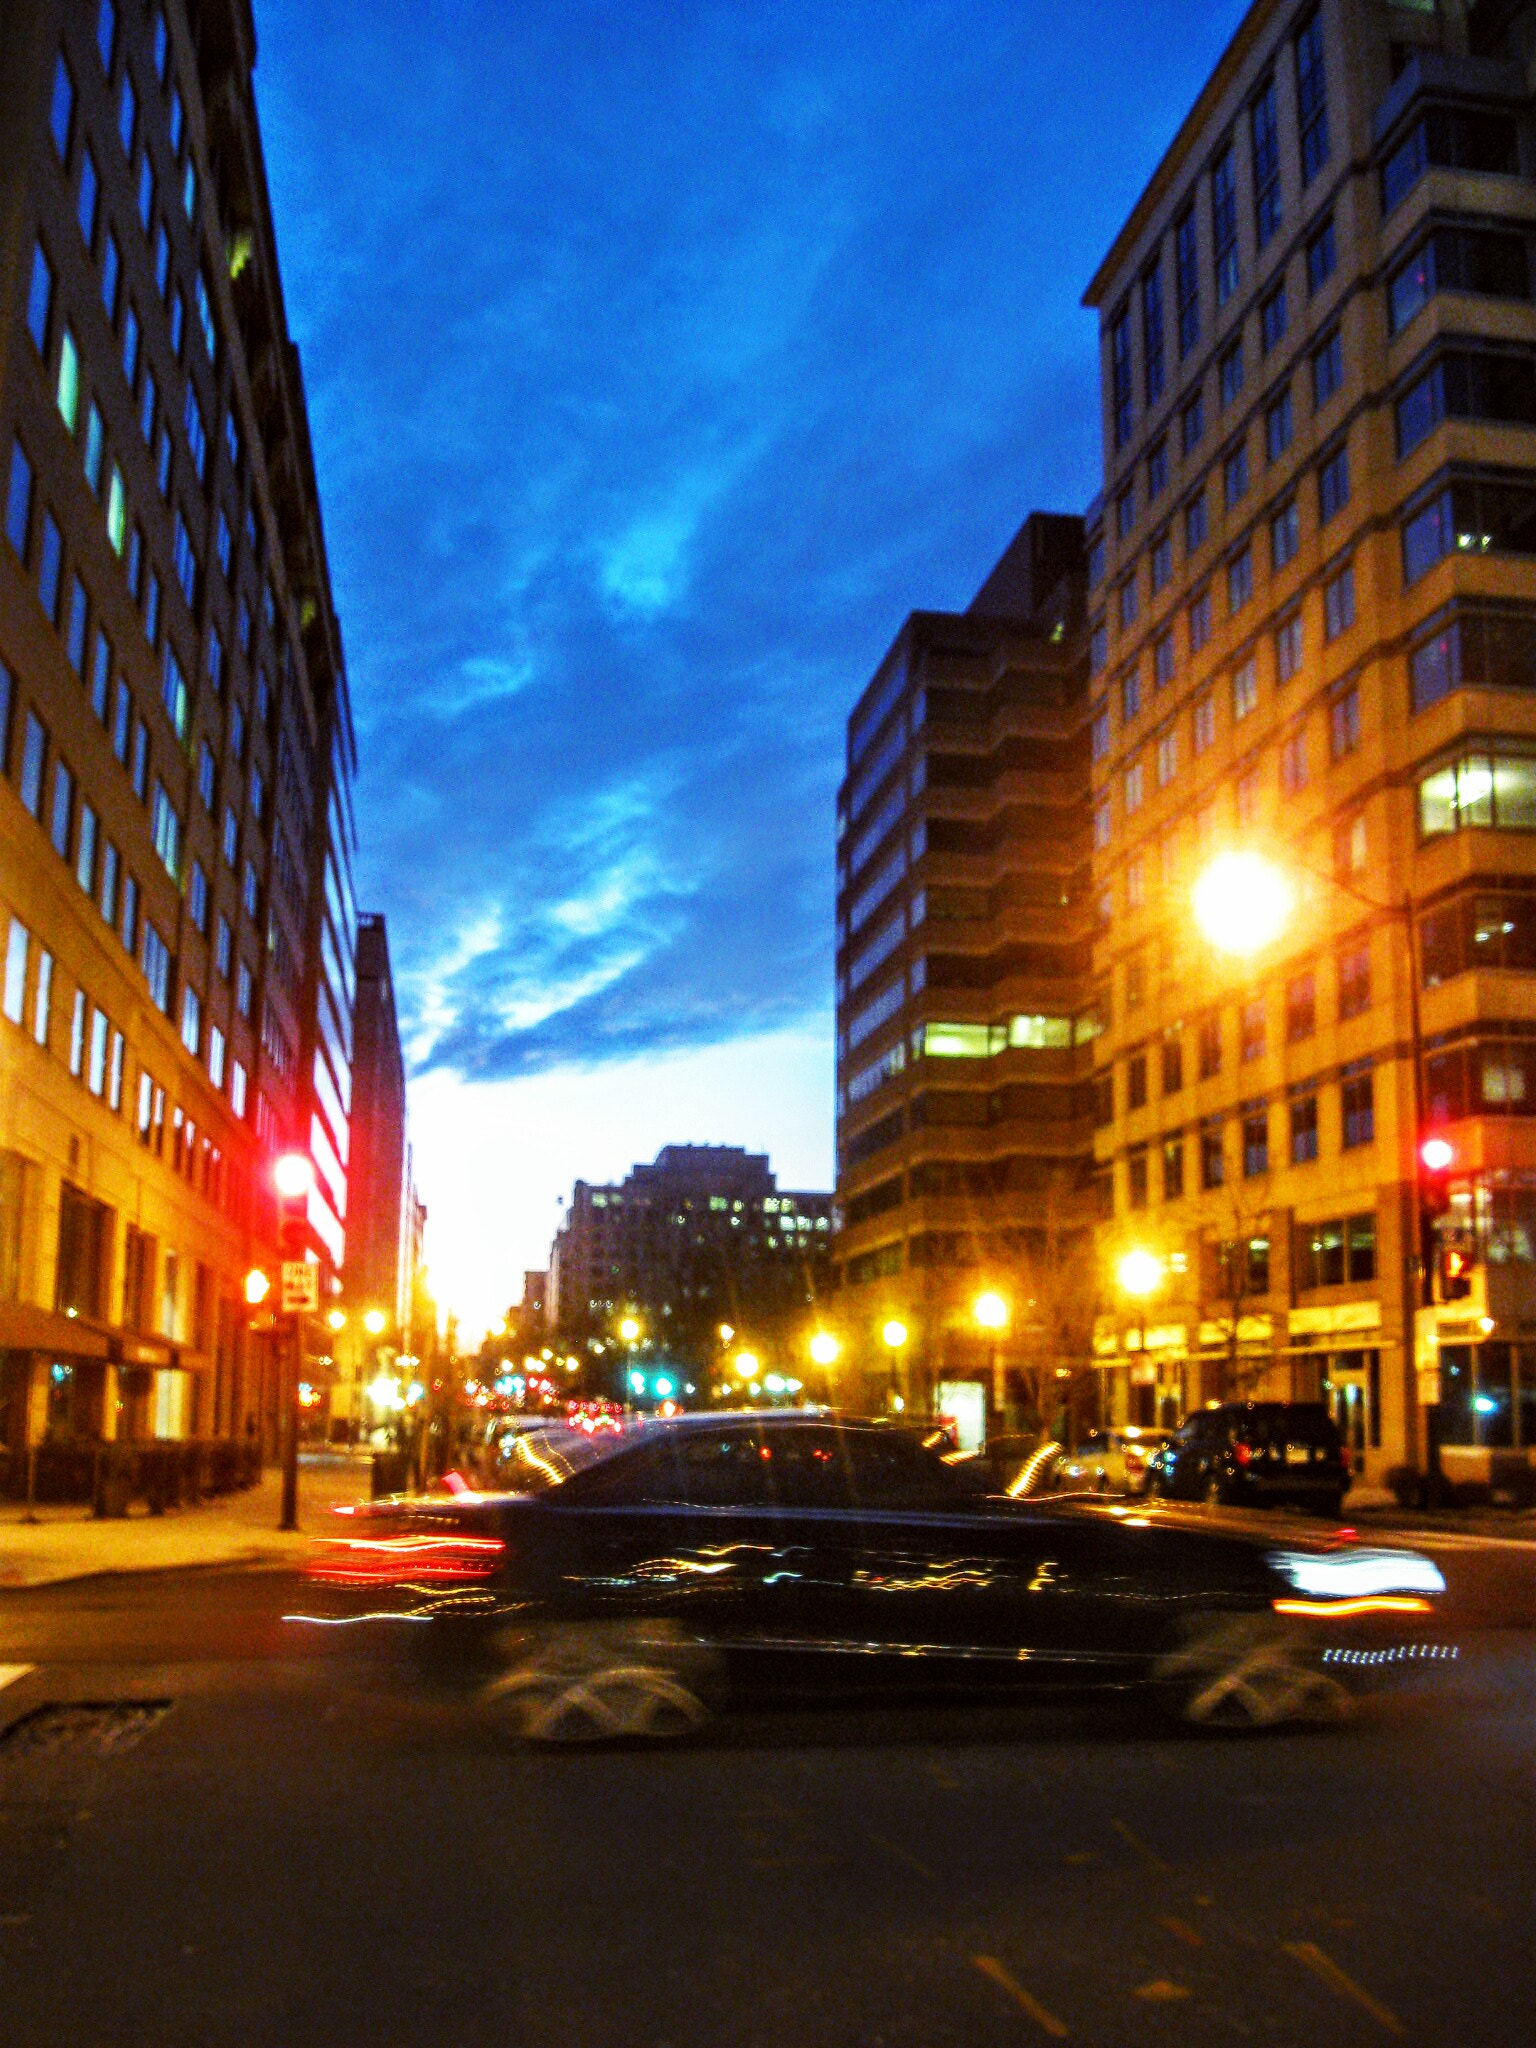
(1358,1574)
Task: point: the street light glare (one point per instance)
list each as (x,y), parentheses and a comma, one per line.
(1437,1154)
(991,1311)
(337,1318)
(1243,902)
(1140,1273)
(746,1364)
(629,1329)
(374,1321)
(293,1175)
(257,1286)
(895,1333)
(824,1348)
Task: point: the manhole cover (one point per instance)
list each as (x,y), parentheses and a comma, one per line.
(100,1728)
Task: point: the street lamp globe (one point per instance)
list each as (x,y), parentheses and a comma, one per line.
(1140,1273)
(374,1321)
(336,1318)
(258,1286)
(991,1311)
(629,1330)
(824,1348)
(746,1365)
(293,1174)
(1243,902)
(1438,1154)
(894,1334)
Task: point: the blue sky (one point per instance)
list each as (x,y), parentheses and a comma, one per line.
(661,358)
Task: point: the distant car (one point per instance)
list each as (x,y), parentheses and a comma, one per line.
(630,1585)
(1110,1461)
(1257,1454)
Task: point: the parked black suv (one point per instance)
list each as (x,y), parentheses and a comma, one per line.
(1257,1454)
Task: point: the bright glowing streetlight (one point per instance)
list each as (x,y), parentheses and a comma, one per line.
(991,1311)
(1243,902)
(824,1348)
(293,1175)
(894,1334)
(726,1333)
(1140,1273)
(258,1286)
(336,1318)
(374,1322)
(746,1365)
(1438,1154)
(629,1330)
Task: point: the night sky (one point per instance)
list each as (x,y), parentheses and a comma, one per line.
(660,359)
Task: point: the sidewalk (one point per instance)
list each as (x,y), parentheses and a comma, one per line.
(237,1528)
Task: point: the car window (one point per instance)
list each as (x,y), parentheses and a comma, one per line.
(809,1467)
(889,1470)
(726,1468)
(645,1475)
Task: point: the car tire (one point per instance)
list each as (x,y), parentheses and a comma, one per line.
(604,1682)
(1244,1673)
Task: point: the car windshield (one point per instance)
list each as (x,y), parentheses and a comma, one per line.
(1280,1422)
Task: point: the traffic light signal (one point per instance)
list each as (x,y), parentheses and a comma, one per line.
(293,1175)
(1455,1273)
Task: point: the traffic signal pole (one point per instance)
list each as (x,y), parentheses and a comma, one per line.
(287,1332)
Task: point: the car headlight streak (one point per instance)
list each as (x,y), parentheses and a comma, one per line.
(1358,1574)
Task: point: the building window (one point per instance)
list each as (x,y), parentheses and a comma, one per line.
(165,829)
(1230,372)
(191,1020)
(1162,561)
(1135,884)
(1354,967)
(1300,1007)
(1253,1033)
(1135,983)
(1454,138)
(1213,1170)
(34,755)
(1195,524)
(197,896)
(1485,262)
(1333,484)
(1167,756)
(1129,607)
(1098,647)
(1245,689)
(1277,426)
(1157,470)
(1255,1141)
(1357,1098)
(1304,1125)
(1327,369)
(1133,788)
(1293,762)
(1162,662)
(1336,1253)
(1339,603)
(1103,826)
(1274,318)
(1152,331)
(1101,734)
(1224,224)
(1173,1060)
(50,568)
(157,966)
(1200,620)
(1246,797)
(1136,1081)
(1235,475)
(17,946)
(1344,723)
(1186,269)
(1173,1168)
(1477,649)
(1130,695)
(224,947)
(1239,579)
(87,200)
(1322,256)
(85,849)
(1311,97)
(1265,123)
(1208,1047)
(1192,421)
(1288,647)
(1136,1178)
(1120,374)
(1284,536)
(1349,847)
(18,501)
(1205,722)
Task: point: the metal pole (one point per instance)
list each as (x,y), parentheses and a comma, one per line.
(288,1328)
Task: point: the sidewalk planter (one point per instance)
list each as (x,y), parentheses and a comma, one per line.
(112,1476)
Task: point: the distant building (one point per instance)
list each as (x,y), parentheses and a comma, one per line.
(377,1233)
(700,1238)
(965,1012)
(176,748)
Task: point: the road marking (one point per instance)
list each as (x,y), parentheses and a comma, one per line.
(1160,1991)
(1150,1857)
(1048,2023)
(1327,1971)
(904,1856)
(1182,1931)
(9,1673)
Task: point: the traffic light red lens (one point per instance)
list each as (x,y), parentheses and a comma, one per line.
(1437,1154)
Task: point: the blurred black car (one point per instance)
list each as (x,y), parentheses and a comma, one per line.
(1256,1454)
(631,1585)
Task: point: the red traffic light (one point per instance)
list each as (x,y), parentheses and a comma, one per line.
(293,1175)
(1438,1154)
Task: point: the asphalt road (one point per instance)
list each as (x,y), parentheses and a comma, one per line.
(310,1845)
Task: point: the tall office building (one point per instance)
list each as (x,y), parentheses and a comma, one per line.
(702,1236)
(1314,637)
(377,1225)
(965,1019)
(176,899)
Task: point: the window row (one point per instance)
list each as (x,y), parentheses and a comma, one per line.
(1259,1138)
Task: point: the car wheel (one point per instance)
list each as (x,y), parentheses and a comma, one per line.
(1242,1673)
(644,1682)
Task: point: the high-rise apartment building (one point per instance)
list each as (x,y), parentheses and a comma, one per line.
(702,1236)
(376,1273)
(1313,631)
(176,900)
(965,1020)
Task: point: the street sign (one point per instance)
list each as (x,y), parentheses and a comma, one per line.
(301,1286)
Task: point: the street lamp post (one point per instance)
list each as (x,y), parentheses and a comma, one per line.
(1243,902)
(991,1313)
(893,1336)
(1140,1274)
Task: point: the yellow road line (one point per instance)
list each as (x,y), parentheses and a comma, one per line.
(1048,2023)
(1152,1859)
(1327,1971)
(904,1856)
